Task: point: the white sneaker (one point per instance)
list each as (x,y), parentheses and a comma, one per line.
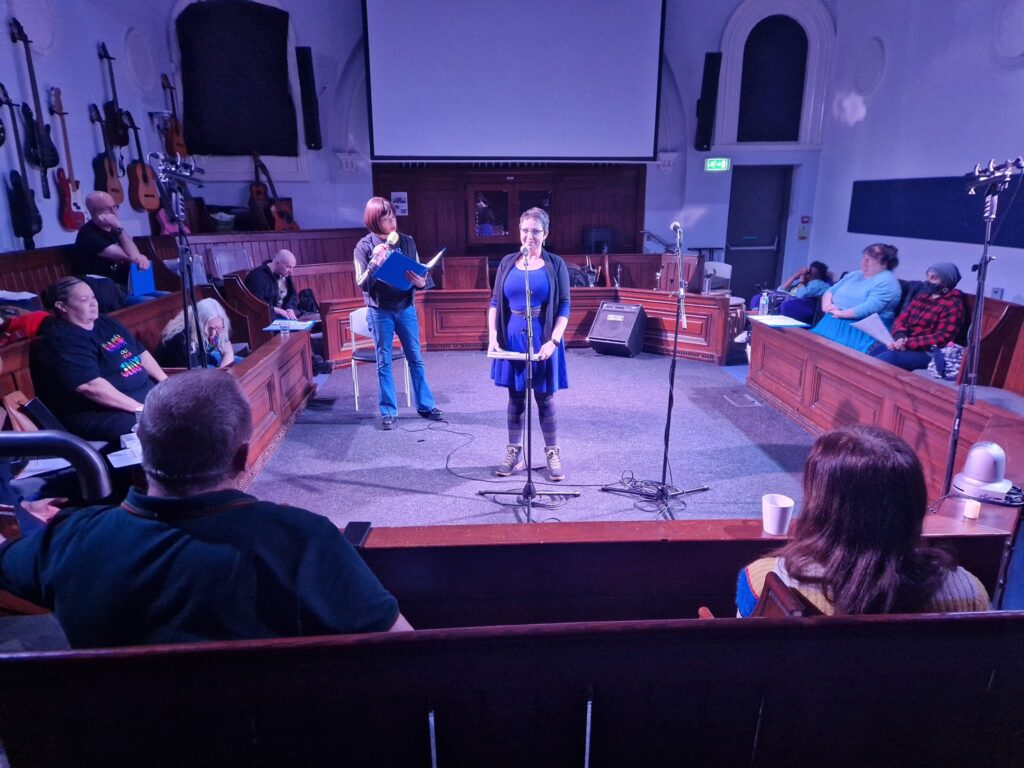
(553,455)
(513,461)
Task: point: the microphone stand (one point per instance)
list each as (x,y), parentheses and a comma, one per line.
(995,180)
(529,493)
(662,493)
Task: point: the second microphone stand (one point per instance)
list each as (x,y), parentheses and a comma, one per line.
(529,492)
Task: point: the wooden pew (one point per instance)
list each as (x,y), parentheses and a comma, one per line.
(840,691)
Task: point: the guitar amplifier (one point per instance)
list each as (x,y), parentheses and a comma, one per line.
(618,329)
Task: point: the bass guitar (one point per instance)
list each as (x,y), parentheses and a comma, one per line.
(72,213)
(108,179)
(280,207)
(117,131)
(142,190)
(39,148)
(25,218)
(174,134)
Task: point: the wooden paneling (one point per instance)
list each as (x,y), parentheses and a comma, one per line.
(310,246)
(460,273)
(33,270)
(706,335)
(638,269)
(328,281)
(456,319)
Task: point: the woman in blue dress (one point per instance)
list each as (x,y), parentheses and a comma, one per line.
(506,323)
(871,289)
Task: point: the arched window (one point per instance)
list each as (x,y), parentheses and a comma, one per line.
(772,86)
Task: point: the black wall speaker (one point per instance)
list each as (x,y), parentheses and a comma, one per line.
(707,102)
(618,329)
(310,102)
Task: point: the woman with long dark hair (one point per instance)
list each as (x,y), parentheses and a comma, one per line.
(857,545)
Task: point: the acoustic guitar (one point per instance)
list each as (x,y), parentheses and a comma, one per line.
(143,193)
(25,218)
(174,134)
(117,131)
(39,148)
(72,212)
(280,207)
(108,179)
(259,199)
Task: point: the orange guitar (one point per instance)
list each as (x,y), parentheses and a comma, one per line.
(105,167)
(280,207)
(142,190)
(174,134)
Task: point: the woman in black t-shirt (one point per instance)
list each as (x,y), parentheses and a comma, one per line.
(88,368)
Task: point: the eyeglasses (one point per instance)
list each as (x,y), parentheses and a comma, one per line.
(534,232)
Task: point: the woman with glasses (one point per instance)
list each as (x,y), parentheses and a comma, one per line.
(392,311)
(548,313)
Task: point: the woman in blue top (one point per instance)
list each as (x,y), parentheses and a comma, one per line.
(871,289)
(506,324)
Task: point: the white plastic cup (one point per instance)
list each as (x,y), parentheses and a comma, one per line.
(776,512)
(972,509)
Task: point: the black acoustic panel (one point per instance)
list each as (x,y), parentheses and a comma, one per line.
(618,329)
(707,102)
(934,209)
(234,71)
(310,102)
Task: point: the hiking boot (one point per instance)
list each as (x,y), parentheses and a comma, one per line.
(513,461)
(554,457)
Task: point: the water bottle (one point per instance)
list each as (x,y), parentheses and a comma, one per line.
(763,303)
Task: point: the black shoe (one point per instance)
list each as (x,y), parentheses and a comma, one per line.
(387,423)
(433,414)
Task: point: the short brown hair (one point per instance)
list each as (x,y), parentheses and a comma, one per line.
(377,209)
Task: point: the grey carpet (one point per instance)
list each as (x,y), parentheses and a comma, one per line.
(338,462)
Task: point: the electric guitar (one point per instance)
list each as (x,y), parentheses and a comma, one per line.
(174,134)
(72,213)
(142,190)
(25,218)
(105,167)
(39,148)
(117,131)
(280,207)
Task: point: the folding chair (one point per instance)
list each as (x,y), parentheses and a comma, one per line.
(365,352)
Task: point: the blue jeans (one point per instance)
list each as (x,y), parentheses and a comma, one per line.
(907,359)
(384,324)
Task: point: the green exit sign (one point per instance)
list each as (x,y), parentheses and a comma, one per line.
(714,164)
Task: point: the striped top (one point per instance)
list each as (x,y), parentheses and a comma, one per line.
(961,590)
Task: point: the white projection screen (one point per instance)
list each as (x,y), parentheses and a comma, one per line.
(524,80)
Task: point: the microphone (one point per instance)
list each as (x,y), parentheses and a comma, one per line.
(676,226)
(524,250)
(392,240)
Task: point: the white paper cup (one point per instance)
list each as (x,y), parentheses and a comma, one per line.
(972,509)
(776,512)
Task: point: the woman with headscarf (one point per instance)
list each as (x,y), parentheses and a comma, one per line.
(933,318)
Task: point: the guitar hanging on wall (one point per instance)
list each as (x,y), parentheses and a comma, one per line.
(280,208)
(69,192)
(174,134)
(142,190)
(25,218)
(117,131)
(39,148)
(105,167)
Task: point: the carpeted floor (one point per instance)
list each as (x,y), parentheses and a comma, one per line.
(338,462)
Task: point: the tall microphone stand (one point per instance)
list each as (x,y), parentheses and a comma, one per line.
(171,177)
(529,492)
(661,494)
(994,179)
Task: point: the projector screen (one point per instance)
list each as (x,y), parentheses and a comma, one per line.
(530,80)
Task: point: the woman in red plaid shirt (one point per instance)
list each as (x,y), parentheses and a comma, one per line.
(934,318)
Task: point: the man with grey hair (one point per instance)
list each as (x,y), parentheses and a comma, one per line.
(195,558)
(271,282)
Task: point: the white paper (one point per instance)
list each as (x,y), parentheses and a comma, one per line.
(505,354)
(873,326)
(16,295)
(777,321)
(42,466)
(126,458)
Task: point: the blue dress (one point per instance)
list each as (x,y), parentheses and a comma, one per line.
(548,375)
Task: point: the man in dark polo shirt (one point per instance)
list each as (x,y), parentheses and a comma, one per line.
(195,558)
(271,283)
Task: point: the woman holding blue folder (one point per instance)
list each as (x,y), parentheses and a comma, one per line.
(391,310)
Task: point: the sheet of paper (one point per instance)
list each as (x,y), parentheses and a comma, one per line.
(505,354)
(777,321)
(126,458)
(22,295)
(291,325)
(42,466)
(873,326)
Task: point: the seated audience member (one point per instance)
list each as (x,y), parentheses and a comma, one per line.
(196,559)
(857,543)
(933,318)
(102,248)
(87,368)
(806,287)
(271,283)
(215,337)
(869,290)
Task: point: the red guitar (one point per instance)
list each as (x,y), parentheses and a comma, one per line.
(72,212)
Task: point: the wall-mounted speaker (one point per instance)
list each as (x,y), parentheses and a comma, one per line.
(707,102)
(310,102)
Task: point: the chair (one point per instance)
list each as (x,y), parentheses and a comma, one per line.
(777,601)
(364,352)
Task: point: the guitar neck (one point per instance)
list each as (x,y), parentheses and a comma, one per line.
(17,142)
(35,88)
(67,148)
(113,84)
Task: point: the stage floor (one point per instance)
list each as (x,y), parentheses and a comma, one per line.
(338,462)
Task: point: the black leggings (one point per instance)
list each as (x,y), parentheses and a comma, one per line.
(545,410)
